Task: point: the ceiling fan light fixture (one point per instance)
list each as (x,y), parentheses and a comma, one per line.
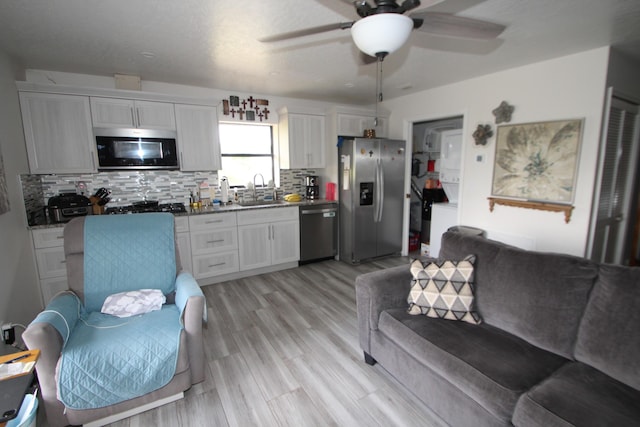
(382,33)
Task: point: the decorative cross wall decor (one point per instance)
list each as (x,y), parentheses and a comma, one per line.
(249,109)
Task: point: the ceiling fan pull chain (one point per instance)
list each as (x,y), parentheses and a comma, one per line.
(379,96)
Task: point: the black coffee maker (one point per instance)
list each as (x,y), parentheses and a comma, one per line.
(313,187)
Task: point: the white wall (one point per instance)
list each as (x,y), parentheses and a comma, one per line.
(19,291)
(563,88)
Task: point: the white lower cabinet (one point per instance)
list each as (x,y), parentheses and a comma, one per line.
(48,244)
(214,244)
(183,240)
(268,237)
(210,246)
(215,264)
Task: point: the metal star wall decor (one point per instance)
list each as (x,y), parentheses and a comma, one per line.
(503,112)
(482,133)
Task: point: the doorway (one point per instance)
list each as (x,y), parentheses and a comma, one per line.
(426,188)
(615,225)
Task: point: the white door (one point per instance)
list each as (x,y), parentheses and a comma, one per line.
(197,128)
(285,242)
(112,112)
(254,246)
(619,153)
(58,134)
(155,115)
(297,124)
(314,142)
(119,113)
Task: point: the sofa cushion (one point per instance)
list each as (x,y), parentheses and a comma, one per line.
(578,395)
(539,297)
(608,338)
(491,366)
(443,289)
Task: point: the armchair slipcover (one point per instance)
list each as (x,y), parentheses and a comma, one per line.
(106,255)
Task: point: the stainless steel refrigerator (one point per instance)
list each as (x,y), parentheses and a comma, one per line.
(371,187)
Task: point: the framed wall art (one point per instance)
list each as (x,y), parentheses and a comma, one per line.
(537,161)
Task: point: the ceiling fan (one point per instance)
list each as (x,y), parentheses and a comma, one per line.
(384,28)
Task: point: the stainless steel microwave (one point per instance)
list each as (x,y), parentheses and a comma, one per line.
(136,149)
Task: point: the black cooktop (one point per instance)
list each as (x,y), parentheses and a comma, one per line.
(130,209)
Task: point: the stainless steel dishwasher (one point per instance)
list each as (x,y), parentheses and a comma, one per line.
(318,232)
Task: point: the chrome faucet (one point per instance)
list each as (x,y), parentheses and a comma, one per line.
(255,197)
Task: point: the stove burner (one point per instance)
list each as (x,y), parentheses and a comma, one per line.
(130,209)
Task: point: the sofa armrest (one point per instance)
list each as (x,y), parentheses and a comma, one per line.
(376,292)
(191,302)
(48,332)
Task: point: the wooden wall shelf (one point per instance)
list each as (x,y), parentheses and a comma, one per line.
(567,209)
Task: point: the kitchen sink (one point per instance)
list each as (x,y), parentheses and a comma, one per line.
(262,203)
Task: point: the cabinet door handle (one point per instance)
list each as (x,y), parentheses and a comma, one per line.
(215,241)
(217,265)
(213,221)
(138,114)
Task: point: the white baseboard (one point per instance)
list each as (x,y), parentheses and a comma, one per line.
(131,412)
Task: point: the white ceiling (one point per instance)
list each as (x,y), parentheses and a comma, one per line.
(214,43)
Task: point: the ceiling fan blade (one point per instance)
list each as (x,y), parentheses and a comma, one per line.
(307,32)
(445,24)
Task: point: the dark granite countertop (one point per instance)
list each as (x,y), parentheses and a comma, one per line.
(231,207)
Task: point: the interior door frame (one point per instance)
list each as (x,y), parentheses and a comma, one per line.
(407,135)
(633,173)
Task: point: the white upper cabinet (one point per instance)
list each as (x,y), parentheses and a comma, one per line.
(302,140)
(127,113)
(58,134)
(198,139)
(355,125)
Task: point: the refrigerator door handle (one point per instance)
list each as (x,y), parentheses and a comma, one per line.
(376,191)
(380,190)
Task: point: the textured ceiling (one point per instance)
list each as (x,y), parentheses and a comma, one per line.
(214,43)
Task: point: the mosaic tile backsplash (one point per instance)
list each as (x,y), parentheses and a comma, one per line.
(130,186)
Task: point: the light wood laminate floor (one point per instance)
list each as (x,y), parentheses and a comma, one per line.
(282,350)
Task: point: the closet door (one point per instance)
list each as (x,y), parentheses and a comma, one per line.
(614,201)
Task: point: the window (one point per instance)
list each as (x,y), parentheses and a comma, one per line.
(246,151)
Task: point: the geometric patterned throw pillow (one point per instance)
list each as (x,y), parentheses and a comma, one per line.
(443,289)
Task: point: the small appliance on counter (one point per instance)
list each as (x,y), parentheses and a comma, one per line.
(224,190)
(66,206)
(313,187)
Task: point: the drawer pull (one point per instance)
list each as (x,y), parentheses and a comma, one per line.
(214,221)
(215,241)
(60,237)
(217,265)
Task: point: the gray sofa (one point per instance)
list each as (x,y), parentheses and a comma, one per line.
(559,342)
